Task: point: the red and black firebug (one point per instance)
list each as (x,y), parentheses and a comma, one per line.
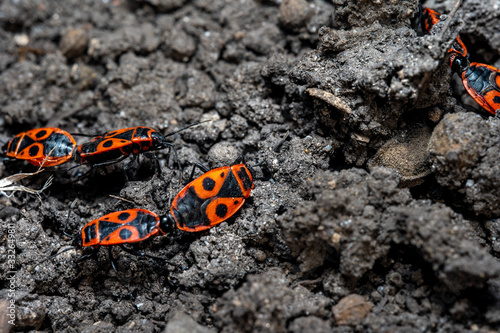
(47,146)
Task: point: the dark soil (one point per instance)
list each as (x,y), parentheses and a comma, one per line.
(378,213)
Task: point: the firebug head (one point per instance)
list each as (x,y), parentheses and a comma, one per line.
(77,241)
(158,141)
(167,222)
(458,63)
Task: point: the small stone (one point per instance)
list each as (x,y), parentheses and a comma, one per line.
(351,310)
(182,323)
(335,238)
(332,184)
(295,13)
(73,43)
(260,255)
(21,39)
(435,115)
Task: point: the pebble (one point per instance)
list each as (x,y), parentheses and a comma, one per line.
(351,310)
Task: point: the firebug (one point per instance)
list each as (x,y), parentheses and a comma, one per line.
(212,197)
(47,146)
(481,81)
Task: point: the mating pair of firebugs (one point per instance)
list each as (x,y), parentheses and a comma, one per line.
(50,146)
(205,202)
(481,81)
